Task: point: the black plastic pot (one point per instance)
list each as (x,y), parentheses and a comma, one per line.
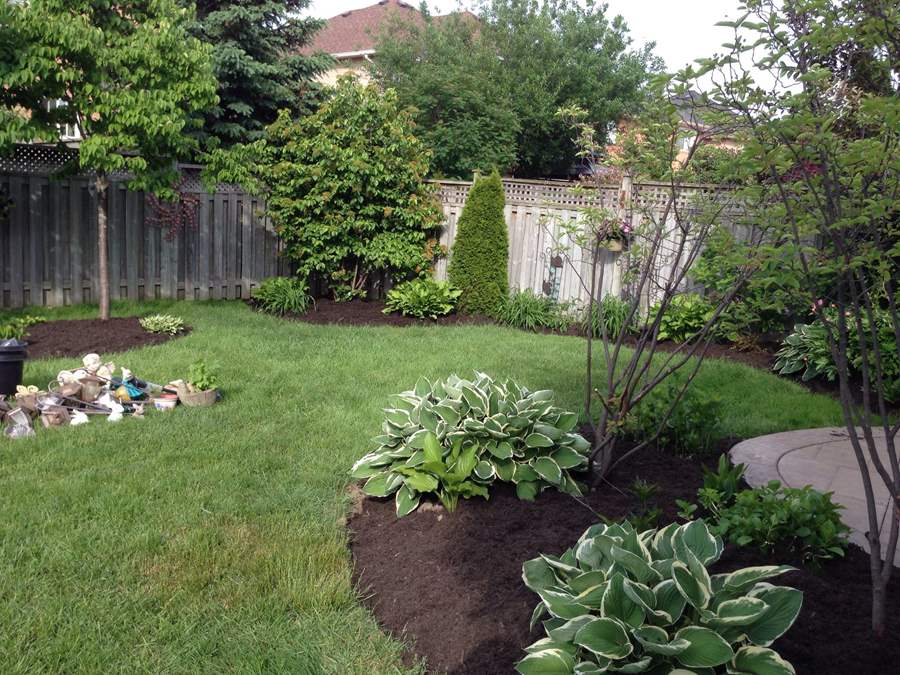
(12,361)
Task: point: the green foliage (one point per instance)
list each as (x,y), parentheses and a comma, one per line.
(771,297)
(685,315)
(803,519)
(132,80)
(648,512)
(610,313)
(807,350)
(347,189)
(634,602)
(481,251)
(283,295)
(456,437)
(725,480)
(163,323)
(422,298)
(201,377)
(17,327)
(258,62)
(692,427)
(529,311)
(486,93)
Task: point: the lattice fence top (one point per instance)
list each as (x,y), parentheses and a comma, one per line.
(535,193)
(37,159)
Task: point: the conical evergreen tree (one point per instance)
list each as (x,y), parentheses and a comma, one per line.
(481,251)
(257,60)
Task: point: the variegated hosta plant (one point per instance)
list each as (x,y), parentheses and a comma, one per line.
(628,602)
(456,437)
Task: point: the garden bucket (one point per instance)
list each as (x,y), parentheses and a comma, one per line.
(12,360)
(197,399)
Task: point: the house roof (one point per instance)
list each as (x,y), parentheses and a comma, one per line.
(357,30)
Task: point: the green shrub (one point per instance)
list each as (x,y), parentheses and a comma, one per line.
(163,323)
(612,313)
(485,431)
(683,318)
(803,519)
(635,602)
(529,311)
(347,189)
(16,328)
(692,428)
(422,298)
(201,377)
(480,253)
(282,295)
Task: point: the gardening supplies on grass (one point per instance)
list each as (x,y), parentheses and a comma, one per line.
(18,424)
(12,360)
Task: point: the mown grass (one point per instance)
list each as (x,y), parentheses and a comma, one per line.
(211,540)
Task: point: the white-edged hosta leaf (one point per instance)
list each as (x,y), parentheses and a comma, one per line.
(538,441)
(567,458)
(697,537)
(537,574)
(577,442)
(567,421)
(501,450)
(605,637)
(669,600)
(397,417)
(527,490)
(706,648)
(738,612)
(547,469)
(383,484)
(504,469)
(589,668)
(523,472)
(639,666)
(655,640)
(561,604)
(484,470)
(546,662)
(747,577)
(566,632)
(690,587)
(587,580)
(761,661)
(616,603)
(421,481)
(446,413)
(406,501)
(550,432)
(783,607)
(636,566)
(540,611)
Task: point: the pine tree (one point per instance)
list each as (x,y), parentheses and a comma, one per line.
(257,60)
(481,250)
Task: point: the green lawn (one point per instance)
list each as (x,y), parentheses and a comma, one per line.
(210,540)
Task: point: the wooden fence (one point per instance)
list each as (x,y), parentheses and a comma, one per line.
(48,237)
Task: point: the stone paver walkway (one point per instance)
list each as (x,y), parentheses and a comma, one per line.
(824,459)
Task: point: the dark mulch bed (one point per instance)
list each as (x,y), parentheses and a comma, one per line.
(450,584)
(371,313)
(75,338)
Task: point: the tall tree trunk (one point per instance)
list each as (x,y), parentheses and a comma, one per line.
(102,185)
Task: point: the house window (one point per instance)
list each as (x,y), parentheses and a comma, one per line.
(67,131)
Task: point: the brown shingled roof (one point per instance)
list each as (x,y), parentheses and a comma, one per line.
(357,30)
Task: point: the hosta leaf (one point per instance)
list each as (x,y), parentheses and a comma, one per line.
(706,648)
(504,469)
(429,420)
(383,484)
(539,612)
(784,606)
(446,413)
(537,574)
(547,643)
(605,637)
(546,662)
(567,458)
(474,398)
(566,632)
(593,596)
(743,579)
(588,668)
(421,481)
(616,603)
(662,542)
(636,566)
(417,440)
(561,604)
(466,463)
(587,580)
(484,470)
(690,587)
(423,387)
(547,469)
(397,417)
(541,396)
(546,430)
(761,661)
(501,450)
(634,667)
(669,600)
(538,441)
(567,421)
(524,473)
(656,641)
(407,501)
(697,537)
(739,612)
(577,442)
(527,490)
(415,459)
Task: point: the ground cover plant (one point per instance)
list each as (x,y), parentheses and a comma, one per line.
(628,601)
(162,323)
(221,531)
(16,327)
(456,437)
(422,298)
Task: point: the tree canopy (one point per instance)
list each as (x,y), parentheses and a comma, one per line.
(485,92)
(257,59)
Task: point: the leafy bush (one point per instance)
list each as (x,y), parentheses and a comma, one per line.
(806,350)
(347,190)
(201,377)
(726,480)
(529,311)
(422,298)
(481,251)
(803,518)
(282,295)
(612,313)
(685,315)
(484,430)
(162,323)
(692,428)
(634,602)
(17,327)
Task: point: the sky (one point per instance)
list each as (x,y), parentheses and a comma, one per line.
(682,29)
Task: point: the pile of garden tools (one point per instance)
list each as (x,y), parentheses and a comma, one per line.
(76,395)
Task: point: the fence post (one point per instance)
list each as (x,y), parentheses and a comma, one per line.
(623,213)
